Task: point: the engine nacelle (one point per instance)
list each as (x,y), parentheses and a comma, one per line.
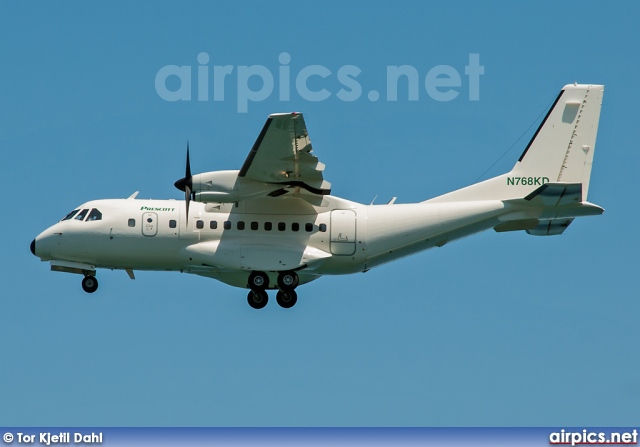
(227,187)
(221,181)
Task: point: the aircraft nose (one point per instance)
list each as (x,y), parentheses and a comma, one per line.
(33,247)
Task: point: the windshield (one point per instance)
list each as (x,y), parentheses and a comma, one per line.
(94,215)
(82,214)
(70,215)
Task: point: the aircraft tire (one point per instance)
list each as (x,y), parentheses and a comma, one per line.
(258,280)
(288,280)
(258,298)
(89,284)
(287,298)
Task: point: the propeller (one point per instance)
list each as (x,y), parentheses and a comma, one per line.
(186,184)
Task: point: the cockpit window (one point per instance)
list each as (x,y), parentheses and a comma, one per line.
(70,215)
(82,214)
(94,215)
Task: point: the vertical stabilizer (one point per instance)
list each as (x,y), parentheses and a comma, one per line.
(561,150)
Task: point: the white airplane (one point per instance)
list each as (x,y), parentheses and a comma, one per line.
(273,225)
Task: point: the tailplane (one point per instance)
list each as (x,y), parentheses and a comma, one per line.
(548,210)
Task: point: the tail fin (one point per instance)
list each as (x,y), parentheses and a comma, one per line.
(561,150)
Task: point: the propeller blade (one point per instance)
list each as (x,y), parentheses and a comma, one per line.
(187,199)
(187,174)
(186,184)
(187,180)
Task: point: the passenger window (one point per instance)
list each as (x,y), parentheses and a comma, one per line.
(323,227)
(94,215)
(173,223)
(240,225)
(82,214)
(132,222)
(227,225)
(268,226)
(199,224)
(254,226)
(282,226)
(70,215)
(308,227)
(213,224)
(295,226)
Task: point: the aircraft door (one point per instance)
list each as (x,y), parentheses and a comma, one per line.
(149,224)
(343,232)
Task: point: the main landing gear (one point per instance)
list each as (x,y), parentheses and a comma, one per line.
(286,296)
(257,298)
(258,282)
(89,284)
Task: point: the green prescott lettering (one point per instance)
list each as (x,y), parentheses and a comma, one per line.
(147,208)
(515,181)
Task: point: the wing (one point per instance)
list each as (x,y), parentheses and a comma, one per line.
(282,155)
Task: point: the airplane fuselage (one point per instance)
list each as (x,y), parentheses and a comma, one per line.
(227,241)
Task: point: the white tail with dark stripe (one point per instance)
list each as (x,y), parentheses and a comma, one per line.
(561,150)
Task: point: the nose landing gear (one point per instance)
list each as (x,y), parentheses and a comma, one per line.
(89,284)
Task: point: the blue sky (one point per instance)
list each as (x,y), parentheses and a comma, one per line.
(495,330)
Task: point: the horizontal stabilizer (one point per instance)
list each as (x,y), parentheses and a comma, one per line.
(551,227)
(557,194)
(558,205)
(517,225)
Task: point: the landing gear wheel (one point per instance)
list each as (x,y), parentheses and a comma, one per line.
(257,298)
(288,280)
(258,280)
(89,284)
(287,298)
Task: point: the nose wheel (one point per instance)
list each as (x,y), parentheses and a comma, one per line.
(89,284)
